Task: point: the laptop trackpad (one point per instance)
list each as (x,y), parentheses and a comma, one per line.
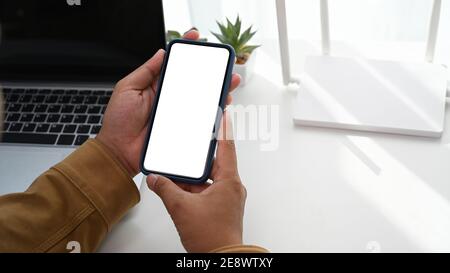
(20,166)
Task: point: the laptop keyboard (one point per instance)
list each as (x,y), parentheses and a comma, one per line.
(53,116)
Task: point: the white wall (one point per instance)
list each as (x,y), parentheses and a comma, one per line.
(401,25)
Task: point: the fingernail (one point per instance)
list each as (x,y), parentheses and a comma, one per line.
(193,28)
(151,180)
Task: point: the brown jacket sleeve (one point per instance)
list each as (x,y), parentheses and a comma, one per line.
(79,200)
(75,203)
(240,249)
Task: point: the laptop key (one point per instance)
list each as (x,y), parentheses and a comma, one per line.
(71,92)
(66,139)
(29,127)
(56,128)
(70,129)
(13,117)
(38,99)
(31,91)
(54,108)
(42,108)
(99,93)
(53,118)
(84,129)
(16,127)
(94,119)
(94,109)
(28,108)
(77,99)
(80,109)
(12,98)
(80,119)
(85,92)
(5,126)
(58,92)
(29,138)
(67,118)
(27,118)
(81,139)
(25,98)
(44,91)
(42,128)
(14,107)
(67,109)
(40,117)
(64,99)
(103,100)
(51,99)
(96,129)
(91,100)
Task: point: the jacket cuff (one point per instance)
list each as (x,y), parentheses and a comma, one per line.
(96,172)
(240,249)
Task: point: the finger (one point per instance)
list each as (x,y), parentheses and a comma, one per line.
(192,35)
(226,157)
(235,82)
(167,190)
(229,100)
(145,75)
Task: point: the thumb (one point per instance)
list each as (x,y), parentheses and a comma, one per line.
(167,190)
(226,150)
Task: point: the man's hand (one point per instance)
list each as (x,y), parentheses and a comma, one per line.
(207,216)
(125,123)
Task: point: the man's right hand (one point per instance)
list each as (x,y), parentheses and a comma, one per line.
(207,216)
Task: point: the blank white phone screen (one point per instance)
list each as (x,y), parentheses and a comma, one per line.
(187,110)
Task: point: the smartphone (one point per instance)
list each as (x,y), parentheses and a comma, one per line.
(188,106)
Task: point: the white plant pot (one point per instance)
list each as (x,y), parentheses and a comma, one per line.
(246,70)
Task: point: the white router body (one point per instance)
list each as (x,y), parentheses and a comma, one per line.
(372,95)
(368,95)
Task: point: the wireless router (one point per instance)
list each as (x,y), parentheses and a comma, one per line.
(368,95)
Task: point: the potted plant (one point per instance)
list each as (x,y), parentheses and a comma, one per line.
(231,34)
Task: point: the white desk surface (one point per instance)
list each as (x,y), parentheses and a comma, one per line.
(322,190)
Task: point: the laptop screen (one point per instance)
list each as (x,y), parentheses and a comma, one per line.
(77,40)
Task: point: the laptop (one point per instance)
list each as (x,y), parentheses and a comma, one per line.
(59,62)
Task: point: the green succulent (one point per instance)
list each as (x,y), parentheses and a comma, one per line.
(173,35)
(231,35)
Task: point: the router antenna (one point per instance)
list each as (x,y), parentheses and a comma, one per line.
(325,25)
(284,42)
(433,31)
